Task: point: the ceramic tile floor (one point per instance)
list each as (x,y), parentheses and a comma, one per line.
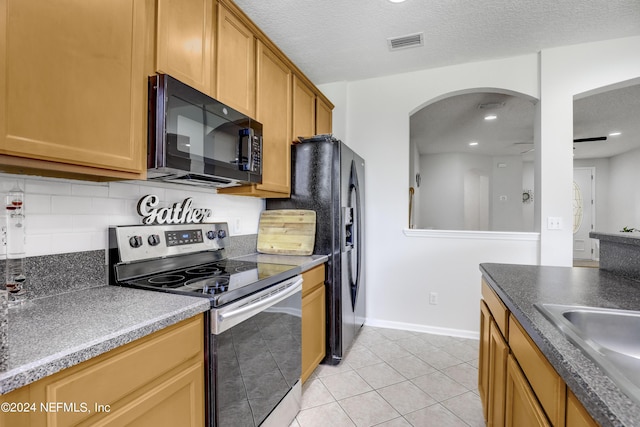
(394,378)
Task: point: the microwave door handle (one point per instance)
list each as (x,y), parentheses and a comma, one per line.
(265,303)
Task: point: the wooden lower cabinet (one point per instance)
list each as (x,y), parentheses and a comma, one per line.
(577,416)
(498,354)
(313,320)
(156,380)
(522,407)
(517,384)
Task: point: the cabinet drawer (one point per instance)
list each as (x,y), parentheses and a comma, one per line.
(312,279)
(111,377)
(545,382)
(497,308)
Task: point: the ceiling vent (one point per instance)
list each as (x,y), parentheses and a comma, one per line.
(404,42)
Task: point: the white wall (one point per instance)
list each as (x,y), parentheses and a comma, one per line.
(401,269)
(72,216)
(624,191)
(564,73)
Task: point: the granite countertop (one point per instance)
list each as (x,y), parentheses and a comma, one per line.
(53,333)
(49,334)
(521,286)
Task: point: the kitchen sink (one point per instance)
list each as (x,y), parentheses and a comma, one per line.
(610,337)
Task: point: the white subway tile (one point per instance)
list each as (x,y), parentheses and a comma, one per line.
(40,244)
(71,205)
(47,186)
(124,190)
(8,181)
(90,190)
(89,223)
(105,206)
(37,204)
(48,224)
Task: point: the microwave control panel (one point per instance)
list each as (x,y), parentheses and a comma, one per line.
(250,151)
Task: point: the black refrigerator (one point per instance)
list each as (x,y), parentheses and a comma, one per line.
(328,177)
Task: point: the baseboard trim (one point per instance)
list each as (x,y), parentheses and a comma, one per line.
(460,333)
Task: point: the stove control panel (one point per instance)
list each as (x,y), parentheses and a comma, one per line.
(142,242)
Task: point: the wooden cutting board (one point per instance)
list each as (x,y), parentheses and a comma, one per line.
(287,232)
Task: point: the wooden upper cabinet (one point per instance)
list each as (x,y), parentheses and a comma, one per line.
(274,112)
(323,117)
(186,41)
(73,87)
(235,64)
(304,109)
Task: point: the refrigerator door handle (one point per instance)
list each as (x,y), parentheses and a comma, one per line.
(355,233)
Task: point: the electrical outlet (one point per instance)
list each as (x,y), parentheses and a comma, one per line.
(433,298)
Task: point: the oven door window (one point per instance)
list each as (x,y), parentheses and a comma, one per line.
(256,363)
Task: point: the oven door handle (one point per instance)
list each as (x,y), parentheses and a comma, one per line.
(263,303)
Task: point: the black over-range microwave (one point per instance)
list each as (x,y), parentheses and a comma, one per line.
(195,139)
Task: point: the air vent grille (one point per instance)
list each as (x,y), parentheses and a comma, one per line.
(404,42)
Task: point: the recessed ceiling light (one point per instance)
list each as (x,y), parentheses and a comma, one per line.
(490,117)
(473,143)
(615,133)
(396,1)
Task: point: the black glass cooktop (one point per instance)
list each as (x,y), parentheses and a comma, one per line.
(222,281)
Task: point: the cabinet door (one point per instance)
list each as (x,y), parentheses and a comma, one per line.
(235,65)
(176,401)
(498,353)
(522,407)
(483,360)
(544,380)
(73,86)
(304,109)
(274,112)
(156,380)
(577,415)
(313,331)
(185,41)
(323,117)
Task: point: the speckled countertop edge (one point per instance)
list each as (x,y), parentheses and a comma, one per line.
(620,237)
(304,262)
(50,334)
(520,287)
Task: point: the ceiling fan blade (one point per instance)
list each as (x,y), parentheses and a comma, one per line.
(595,138)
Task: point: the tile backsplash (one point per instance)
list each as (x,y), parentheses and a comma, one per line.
(64,216)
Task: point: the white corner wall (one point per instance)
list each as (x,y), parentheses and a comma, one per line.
(402,267)
(564,73)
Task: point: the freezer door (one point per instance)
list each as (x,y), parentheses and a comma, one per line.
(352,289)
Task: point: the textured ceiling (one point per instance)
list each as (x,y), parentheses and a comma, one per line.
(337,40)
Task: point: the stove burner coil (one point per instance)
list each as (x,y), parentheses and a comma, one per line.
(166,280)
(209,285)
(244,268)
(204,270)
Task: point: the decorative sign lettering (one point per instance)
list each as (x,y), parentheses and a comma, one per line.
(178,213)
